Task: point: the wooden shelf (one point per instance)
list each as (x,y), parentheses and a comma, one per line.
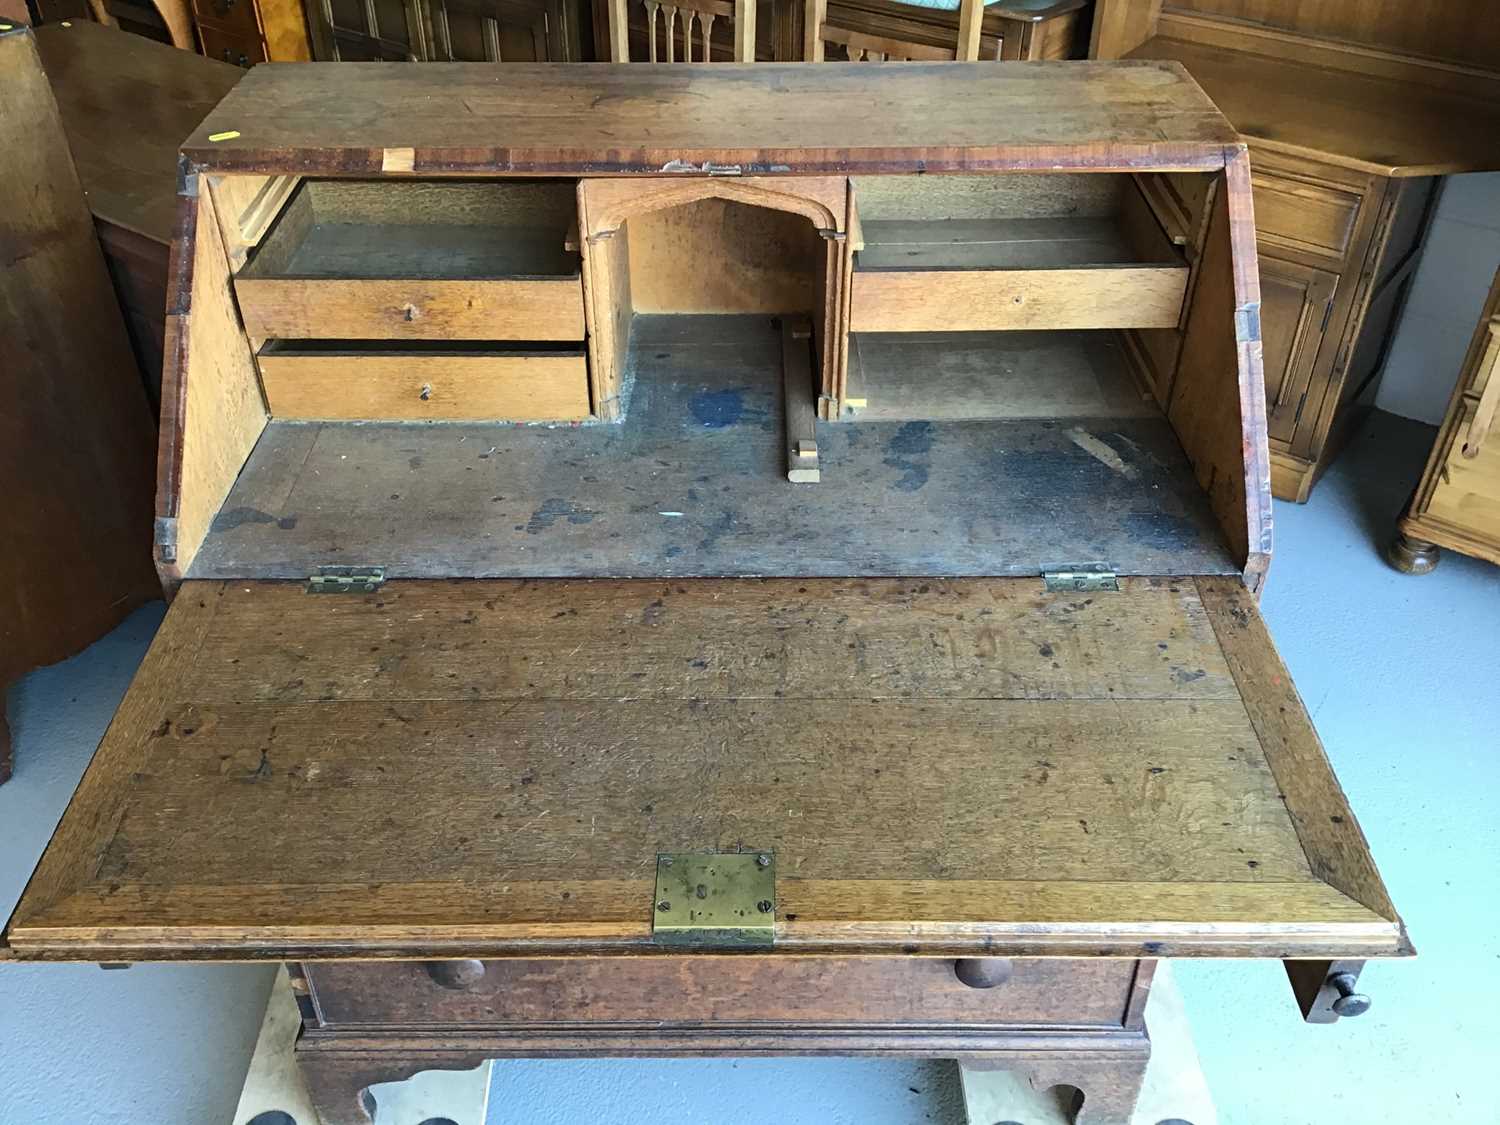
(979,375)
(999,257)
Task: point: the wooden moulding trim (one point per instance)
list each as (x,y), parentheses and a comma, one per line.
(71,860)
(363,163)
(390,1055)
(1252,379)
(611,203)
(1016,918)
(1336,849)
(174,382)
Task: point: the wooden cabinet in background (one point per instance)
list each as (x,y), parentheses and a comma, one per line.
(126,103)
(76,437)
(1296,301)
(445,30)
(1457,504)
(245,32)
(1346,146)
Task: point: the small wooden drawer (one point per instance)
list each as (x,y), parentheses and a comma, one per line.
(1303,215)
(230,17)
(990,262)
(699,989)
(340,381)
(535,309)
(417,261)
(241,49)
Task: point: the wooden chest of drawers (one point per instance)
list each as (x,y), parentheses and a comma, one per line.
(1457,502)
(521,685)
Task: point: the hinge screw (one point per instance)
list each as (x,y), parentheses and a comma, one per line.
(763,860)
(664,906)
(764,906)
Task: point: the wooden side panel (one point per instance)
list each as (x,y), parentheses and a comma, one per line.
(607,295)
(1218,398)
(284,26)
(1120,26)
(426,388)
(212,409)
(75,430)
(247,206)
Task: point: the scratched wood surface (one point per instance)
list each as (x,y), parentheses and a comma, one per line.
(352,118)
(937,766)
(693,482)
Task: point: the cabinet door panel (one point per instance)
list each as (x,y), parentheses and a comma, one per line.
(1296,301)
(494,31)
(368,30)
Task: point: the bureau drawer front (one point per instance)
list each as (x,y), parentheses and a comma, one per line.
(352,385)
(729,990)
(1302,215)
(505,309)
(1000,300)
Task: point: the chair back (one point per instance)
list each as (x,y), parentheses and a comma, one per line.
(674,27)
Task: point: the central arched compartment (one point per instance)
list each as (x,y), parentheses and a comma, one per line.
(713,264)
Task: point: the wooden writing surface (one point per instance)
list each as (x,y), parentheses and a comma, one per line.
(493,766)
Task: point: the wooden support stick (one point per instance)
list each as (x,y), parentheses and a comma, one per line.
(801,414)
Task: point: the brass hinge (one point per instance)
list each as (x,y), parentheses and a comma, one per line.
(346,580)
(715,899)
(1089,578)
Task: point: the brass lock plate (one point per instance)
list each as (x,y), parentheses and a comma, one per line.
(715,899)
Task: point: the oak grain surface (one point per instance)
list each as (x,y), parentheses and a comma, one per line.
(936,766)
(782,118)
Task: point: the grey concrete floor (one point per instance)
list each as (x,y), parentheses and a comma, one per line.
(1400,674)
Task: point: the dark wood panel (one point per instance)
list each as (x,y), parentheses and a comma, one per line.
(126,104)
(76,438)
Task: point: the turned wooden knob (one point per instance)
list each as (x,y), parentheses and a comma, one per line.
(1349,1003)
(456,974)
(982,972)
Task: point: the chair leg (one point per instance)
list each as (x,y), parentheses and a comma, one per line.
(619,32)
(970,21)
(179,21)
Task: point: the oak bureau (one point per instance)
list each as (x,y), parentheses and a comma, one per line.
(680,562)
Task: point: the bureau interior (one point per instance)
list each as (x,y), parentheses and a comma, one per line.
(430,393)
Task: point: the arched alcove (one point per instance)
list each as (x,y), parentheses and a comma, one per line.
(709,245)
